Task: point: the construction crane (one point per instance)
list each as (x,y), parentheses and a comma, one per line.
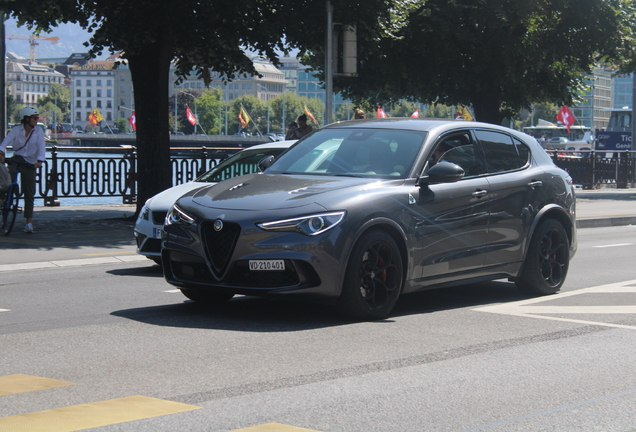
(33,42)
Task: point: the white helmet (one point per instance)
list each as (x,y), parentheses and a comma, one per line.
(28,112)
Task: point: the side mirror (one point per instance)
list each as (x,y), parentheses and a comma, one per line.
(266,162)
(442,172)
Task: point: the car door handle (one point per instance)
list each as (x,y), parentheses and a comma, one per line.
(480,193)
(535,184)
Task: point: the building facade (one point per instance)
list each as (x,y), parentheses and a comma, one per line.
(27,83)
(592,112)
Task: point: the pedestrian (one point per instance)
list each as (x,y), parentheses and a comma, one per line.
(358,114)
(27,140)
(291,130)
(303,128)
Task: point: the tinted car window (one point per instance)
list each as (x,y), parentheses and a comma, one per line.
(523,151)
(500,152)
(245,162)
(458,149)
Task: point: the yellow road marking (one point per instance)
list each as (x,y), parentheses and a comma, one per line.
(92,415)
(20,383)
(274,427)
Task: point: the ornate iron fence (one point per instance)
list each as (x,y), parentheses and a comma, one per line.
(592,169)
(98,174)
(111,172)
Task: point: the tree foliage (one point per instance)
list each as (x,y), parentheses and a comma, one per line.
(194,35)
(60,97)
(498,56)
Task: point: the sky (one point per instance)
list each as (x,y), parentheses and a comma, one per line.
(72,37)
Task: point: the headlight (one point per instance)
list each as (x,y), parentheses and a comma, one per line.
(309,225)
(177,216)
(143,214)
(145,211)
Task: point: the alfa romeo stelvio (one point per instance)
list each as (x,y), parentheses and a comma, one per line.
(359,213)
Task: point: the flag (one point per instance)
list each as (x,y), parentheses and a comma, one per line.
(244,117)
(380,113)
(310,115)
(566,117)
(133,121)
(191,117)
(95,117)
(463,114)
(416,114)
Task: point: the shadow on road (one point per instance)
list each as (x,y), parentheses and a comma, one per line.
(256,314)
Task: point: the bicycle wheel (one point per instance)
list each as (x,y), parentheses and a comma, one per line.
(10,209)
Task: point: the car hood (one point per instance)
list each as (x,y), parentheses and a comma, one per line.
(164,200)
(280,191)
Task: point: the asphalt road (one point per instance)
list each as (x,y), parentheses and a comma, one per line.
(115,341)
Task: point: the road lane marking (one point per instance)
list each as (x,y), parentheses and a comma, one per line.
(173,291)
(92,415)
(71,262)
(274,427)
(528,308)
(614,245)
(21,383)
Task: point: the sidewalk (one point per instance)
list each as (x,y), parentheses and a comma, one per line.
(605,207)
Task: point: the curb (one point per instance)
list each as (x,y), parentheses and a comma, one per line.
(606,222)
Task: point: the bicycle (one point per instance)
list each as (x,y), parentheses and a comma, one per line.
(10,208)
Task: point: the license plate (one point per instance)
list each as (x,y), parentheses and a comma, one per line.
(157,233)
(264,265)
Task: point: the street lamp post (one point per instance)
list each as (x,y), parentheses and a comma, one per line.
(267,96)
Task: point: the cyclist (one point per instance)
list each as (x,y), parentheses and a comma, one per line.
(28,147)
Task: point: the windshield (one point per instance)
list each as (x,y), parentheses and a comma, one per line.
(244,162)
(356,152)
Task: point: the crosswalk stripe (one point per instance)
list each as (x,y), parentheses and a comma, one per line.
(20,383)
(274,427)
(92,415)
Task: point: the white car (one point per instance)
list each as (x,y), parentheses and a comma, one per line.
(149,225)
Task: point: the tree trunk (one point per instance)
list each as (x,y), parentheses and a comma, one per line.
(150,72)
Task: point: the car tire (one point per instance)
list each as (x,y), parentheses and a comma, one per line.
(206,296)
(157,260)
(547,261)
(373,278)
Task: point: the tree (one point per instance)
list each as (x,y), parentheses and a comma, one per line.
(59,96)
(294,106)
(122,125)
(210,111)
(194,36)
(498,56)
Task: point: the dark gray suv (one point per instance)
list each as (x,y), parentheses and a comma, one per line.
(358,213)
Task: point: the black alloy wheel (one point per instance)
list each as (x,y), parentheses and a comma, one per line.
(373,279)
(547,261)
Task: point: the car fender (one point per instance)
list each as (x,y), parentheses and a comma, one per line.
(553,211)
(377,222)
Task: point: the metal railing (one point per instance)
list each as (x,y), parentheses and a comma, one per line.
(111,172)
(98,174)
(594,169)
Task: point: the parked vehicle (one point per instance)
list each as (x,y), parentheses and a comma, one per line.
(149,225)
(401,205)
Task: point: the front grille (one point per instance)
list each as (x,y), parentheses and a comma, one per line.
(158,217)
(219,245)
(242,276)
